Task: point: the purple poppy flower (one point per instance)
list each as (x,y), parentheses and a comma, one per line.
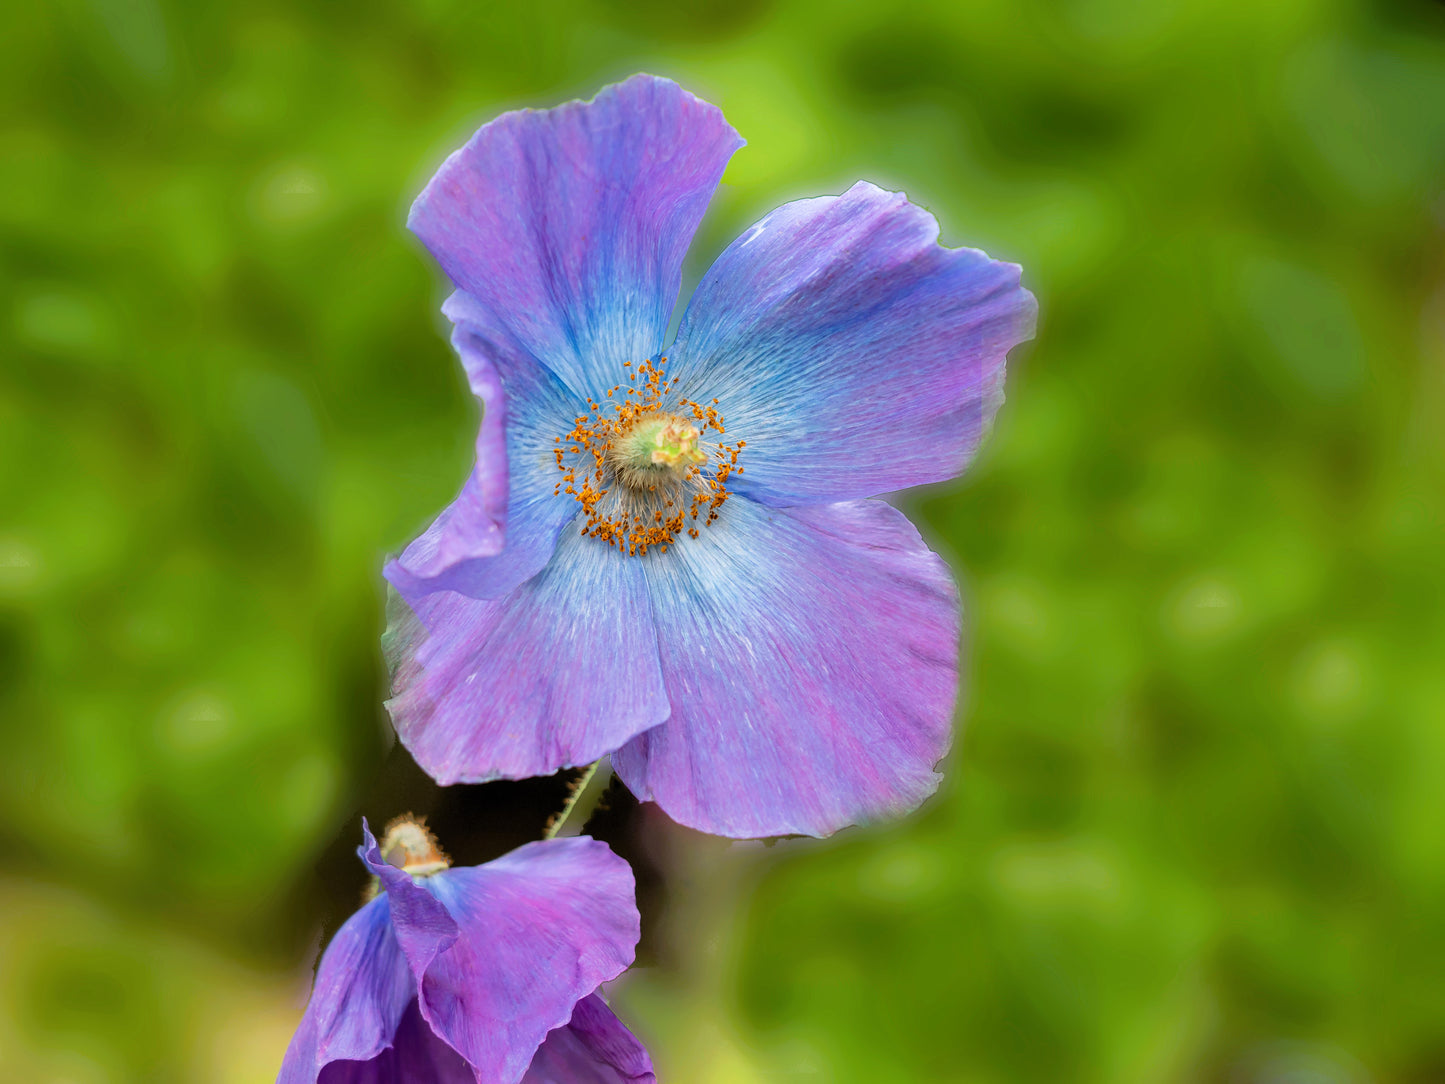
(476,975)
(673,555)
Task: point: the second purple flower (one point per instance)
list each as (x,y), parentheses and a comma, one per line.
(475,975)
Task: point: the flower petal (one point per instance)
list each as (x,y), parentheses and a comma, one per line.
(811,657)
(569,225)
(553,675)
(541,928)
(424,928)
(362,988)
(417,1056)
(853,353)
(503,527)
(592,1048)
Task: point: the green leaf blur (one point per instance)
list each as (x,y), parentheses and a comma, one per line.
(1193,828)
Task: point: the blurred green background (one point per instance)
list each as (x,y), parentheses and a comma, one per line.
(1193,831)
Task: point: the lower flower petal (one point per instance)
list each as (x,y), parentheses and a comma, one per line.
(592,1048)
(556,674)
(363,987)
(541,928)
(416,1056)
(811,657)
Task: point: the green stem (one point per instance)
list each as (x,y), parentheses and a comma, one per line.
(587,786)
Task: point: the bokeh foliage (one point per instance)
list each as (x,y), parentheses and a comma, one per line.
(1193,829)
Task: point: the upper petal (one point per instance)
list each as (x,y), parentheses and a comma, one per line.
(569,225)
(362,988)
(555,674)
(811,657)
(503,527)
(541,928)
(853,353)
(592,1048)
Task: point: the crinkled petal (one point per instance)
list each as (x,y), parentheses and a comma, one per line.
(592,1048)
(503,527)
(416,1056)
(424,928)
(569,225)
(473,525)
(362,988)
(811,657)
(853,353)
(541,928)
(556,674)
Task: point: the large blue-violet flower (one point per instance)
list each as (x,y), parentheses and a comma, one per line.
(475,975)
(672,554)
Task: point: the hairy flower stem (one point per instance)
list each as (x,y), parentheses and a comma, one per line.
(582,798)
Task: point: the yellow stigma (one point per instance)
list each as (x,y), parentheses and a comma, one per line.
(410,847)
(671,442)
(656,448)
(637,466)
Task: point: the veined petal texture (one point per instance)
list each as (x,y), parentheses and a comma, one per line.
(569,225)
(424,927)
(810,656)
(503,527)
(592,1048)
(556,674)
(416,1056)
(362,989)
(853,353)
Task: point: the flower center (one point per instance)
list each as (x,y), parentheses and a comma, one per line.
(410,847)
(657,448)
(637,465)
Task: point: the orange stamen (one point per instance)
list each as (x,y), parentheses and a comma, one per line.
(632,522)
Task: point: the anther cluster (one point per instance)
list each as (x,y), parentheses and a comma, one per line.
(636,467)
